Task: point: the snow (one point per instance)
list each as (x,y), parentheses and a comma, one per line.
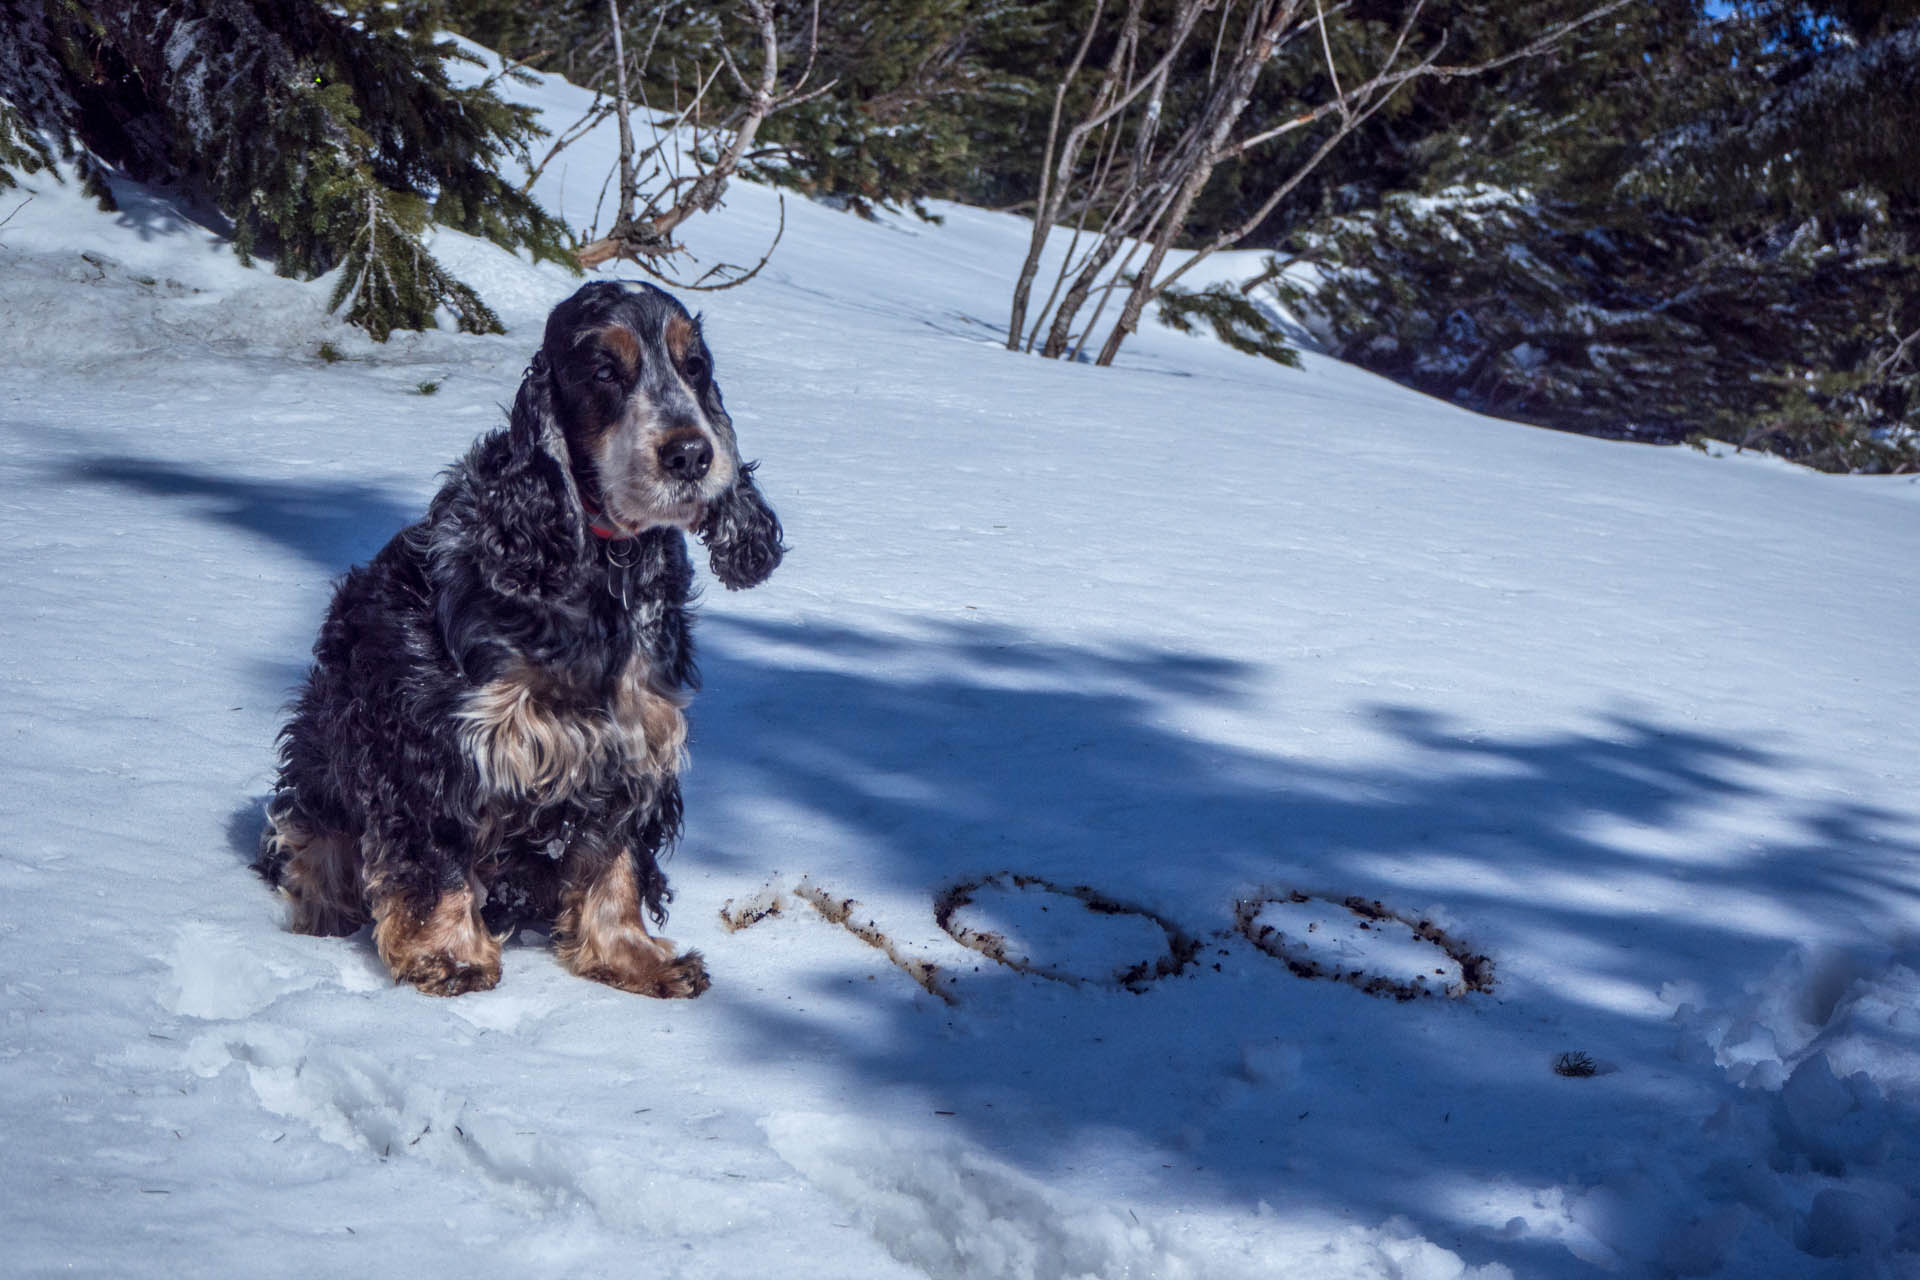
(1635,724)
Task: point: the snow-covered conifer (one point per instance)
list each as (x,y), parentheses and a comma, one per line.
(328,136)
(1707,227)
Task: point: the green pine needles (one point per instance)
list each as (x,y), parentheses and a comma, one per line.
(20,148)
(1235,319)
(330,137)
(1708,228)
(391,282)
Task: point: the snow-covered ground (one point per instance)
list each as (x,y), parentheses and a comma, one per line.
(1128,679)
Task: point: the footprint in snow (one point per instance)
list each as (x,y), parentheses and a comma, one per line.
(216,974)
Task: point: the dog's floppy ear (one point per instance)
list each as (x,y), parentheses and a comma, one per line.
(742,535)
(533,423)
(534,433)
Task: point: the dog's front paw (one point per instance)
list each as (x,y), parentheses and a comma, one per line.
(680,978)
(445,976)
(685,978)
(445,951)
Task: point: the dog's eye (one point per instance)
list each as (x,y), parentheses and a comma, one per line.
(605,373)
(696,368)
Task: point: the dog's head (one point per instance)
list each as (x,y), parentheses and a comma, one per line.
(625,382)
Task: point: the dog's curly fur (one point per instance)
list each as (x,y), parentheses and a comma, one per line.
(492,730)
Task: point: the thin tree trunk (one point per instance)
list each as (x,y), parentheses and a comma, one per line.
(1060,333)
(1115,94)
(1156,205)
(1225,111)
(629,183)
(1046,206)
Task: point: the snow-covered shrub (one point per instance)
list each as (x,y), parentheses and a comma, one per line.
(1654,326)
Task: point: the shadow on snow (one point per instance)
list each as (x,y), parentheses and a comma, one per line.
(945,751)
(1020,754)
(332,523)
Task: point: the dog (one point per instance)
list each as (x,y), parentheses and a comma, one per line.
(492,729)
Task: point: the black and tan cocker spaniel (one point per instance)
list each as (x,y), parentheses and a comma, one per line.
(492,729)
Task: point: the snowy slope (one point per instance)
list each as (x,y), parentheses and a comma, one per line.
(1629,733)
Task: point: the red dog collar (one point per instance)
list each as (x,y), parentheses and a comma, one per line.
(593,522)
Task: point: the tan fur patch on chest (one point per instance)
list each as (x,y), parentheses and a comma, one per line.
(651,719)
(524,740)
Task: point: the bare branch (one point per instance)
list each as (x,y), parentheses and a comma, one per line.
(813,49)
(1045,206)
(1118,88)
(628,191)
(1326,48)
(1207,144)
(1227,239)
(15,211)
(1545,43)
(1428,67)
(699,285)
(1885,369)
(597,112)
(1183,27)
(739,81)
(645,234)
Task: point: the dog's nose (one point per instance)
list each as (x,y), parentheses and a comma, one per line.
(687,458)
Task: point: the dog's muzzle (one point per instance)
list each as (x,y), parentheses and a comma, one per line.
(686,458)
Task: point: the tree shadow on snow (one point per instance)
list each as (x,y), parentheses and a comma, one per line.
(332,523)
(1016,754)
(155,211)
(942,752)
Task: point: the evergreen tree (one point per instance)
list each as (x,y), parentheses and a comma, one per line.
(912,98)
(927,98)
(329,136)
(20,148)
(1704,225)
